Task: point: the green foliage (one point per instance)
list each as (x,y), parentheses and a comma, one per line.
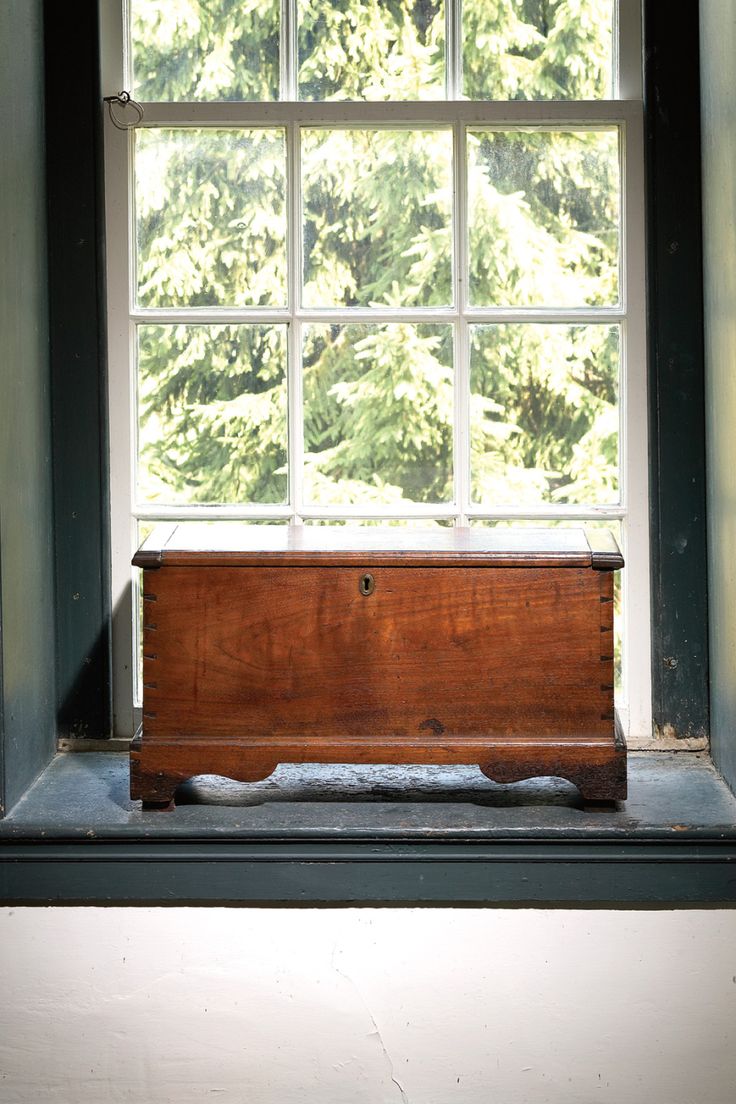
(378,399)
(212,413)
(210,207)
(205,49)
(537,49)
(561,384)
(378,413)
(377,217)
(371,50)
(543,212)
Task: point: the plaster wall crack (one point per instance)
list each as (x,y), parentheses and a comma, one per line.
(376,1032)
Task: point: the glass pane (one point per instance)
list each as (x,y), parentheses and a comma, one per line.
(371,49)
(212,414)
(189,50)
(543,218)
(211,218)
(538,49)
(378,404)
(544,414)
(377,217)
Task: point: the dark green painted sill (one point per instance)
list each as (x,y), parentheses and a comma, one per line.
(373,835)
(85,795)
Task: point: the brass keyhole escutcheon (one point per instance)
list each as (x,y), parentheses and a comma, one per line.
(367,584)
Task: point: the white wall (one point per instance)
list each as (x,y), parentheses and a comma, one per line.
(330,1006)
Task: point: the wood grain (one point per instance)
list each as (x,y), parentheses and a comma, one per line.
(300,651)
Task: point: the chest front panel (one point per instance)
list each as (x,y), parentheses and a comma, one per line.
(293,651)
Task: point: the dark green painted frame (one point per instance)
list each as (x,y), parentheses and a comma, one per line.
(676,371)
(27,713)
(64,870)
(78,380)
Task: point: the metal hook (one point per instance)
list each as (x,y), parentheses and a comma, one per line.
(124,99)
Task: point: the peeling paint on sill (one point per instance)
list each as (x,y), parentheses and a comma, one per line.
(665,737)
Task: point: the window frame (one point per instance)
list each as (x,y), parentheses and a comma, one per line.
(632,511)
(51,864)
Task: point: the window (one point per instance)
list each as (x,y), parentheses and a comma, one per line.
(385,263)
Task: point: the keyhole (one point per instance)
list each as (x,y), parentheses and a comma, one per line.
(367,584)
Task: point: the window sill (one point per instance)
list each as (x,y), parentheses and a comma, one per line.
(356,835)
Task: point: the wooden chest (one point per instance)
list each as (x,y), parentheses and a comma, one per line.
(266,644)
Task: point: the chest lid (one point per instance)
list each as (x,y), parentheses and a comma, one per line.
(229,544)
